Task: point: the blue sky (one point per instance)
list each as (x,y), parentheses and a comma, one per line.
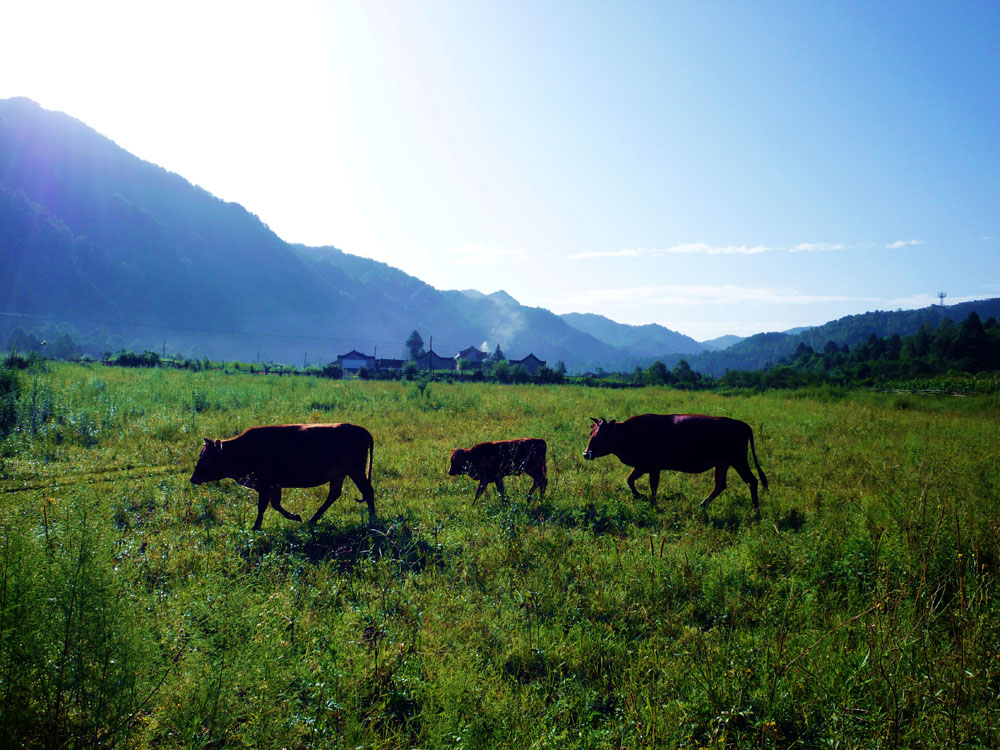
(715,167)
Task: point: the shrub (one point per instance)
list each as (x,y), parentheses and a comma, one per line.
(10,387)
(333,370)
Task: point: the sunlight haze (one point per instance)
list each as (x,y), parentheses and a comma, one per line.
(717,168)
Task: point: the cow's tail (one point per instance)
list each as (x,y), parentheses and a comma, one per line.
(371,457)
(760,471)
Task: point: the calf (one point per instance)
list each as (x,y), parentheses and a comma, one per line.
(491,462)
(691,443)
(292,455)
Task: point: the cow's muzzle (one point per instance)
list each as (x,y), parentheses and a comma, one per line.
(588,455)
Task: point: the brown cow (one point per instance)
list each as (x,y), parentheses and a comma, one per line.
(691,443)
(292,455)
(491,462)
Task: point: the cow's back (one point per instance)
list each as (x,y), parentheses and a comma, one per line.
(302,455)
(505,457)
(528,454)
(680,442)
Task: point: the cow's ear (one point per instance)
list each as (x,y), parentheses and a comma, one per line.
(209,443)
(595,420)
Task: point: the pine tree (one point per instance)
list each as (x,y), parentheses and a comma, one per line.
(415,345)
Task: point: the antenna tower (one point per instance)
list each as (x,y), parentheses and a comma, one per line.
(941,296)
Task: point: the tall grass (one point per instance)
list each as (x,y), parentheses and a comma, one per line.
(137,610)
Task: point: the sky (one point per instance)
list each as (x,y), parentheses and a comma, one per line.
(713,167)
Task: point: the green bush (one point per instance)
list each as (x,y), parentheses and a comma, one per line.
(10,389)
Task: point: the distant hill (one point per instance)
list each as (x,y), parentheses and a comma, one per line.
(722,342)
(764,349)
(93,235)
(644,341)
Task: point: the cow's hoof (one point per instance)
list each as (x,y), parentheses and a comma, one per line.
(296,517)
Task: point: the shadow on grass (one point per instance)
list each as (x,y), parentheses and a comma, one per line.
(736,514)
(348,546)
(731,519)
(791,521)
(601,516)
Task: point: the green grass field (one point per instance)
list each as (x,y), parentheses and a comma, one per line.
(137,610)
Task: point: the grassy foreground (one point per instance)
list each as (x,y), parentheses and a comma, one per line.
(139,611)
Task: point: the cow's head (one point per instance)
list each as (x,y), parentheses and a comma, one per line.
(600,439)
(210,463)
(459,462)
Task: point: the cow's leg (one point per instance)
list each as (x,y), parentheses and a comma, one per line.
(743,469)
(481,488)
(540,482)
(636,473)
(654,484)
(499,484)
(276,504)
(336,487)
(720,484)
(263,500)
(367,494)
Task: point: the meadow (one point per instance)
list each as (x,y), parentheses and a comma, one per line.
(137,610)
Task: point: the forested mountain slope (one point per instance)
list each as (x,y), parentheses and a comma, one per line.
(649,340)
(764,349)
(92,235)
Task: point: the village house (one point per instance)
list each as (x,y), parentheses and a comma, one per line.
(390,365)
(354,361)
(475,357)
(531,363)
(430,361)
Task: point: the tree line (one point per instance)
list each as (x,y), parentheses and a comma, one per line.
(969,347)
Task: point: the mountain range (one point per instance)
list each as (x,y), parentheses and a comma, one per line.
(95,237)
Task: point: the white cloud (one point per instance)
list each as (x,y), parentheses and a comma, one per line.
(703,248)
(812,247)
(481,254)
(727,294)
(913,302)
(688,248)
(917,301)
